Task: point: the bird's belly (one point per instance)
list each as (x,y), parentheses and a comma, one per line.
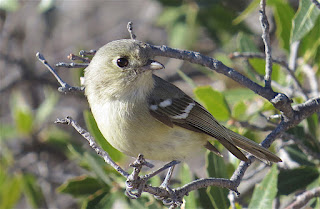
(145,135)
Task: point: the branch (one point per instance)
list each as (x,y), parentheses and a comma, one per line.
(72,65)
(279,100)
(69,121)
(304,198)
(82,58)
(266,40)
(130,30)
(306,150)
(281,62)
(291,116)
(65,87)
(312,79)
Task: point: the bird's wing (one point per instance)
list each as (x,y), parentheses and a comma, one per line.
(171,106)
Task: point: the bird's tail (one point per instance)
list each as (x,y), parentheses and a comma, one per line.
(253,148)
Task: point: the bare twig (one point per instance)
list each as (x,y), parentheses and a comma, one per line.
(69,121)
(281,62)
(75,57)
(279,100)
(232,199)
(255,172)
(72,65)
(306,150)
(266,40)
(312,79)
(87,53)
(166,166)
(130,30)
(304,198)
(290,117)
(65,87)
(254,127)
(294,48)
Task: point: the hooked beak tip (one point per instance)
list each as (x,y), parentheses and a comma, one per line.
(153,65)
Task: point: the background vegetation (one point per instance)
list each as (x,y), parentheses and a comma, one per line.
(44,165)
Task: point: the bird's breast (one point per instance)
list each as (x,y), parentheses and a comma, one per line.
(133,130)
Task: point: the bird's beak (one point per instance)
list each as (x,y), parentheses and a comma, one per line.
(152,65)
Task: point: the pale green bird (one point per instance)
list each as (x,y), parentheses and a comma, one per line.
(140,113)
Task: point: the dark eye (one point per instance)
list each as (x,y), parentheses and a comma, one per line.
(122,62)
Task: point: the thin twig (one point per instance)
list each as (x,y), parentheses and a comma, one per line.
(130,30)
(72,65)
(306,150)
(312,79)
(254,127)
(69,121)
(87,53)
(255,172)
(291,117)
(165,167)
(232,199)
(294,48)
(75,57)
(304,198)
(281,62)
(65,87)
(280,101)
(266,40)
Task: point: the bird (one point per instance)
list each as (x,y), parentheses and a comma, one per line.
(138,112)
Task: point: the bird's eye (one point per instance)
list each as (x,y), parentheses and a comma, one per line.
(122,62)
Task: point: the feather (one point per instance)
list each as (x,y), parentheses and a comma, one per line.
(170,105)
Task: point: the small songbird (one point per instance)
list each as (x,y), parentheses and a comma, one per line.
(140,113)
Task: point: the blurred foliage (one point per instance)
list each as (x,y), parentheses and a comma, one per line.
(187,23)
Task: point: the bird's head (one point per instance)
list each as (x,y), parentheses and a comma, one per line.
(120,68)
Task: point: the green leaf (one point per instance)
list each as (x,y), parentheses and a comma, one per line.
(96,164)
(277,74)
(204,199)
(186,78)
(170,16)
(46,108)
(283,15)
(33,192)
(57,138)
(245,43)
(304,20)
(9,5)
(213,101)
(216,168)
(265,192)
(24,121)
(7,132)
(298,156)
(313,125)
(314,184)
(178,37)
(94,130)
(10,192)
(239,110)
(186,177)
(22,114)
(82,186)
(100,200)
(292,180)
(45,5)
(238,94)
(251,8)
